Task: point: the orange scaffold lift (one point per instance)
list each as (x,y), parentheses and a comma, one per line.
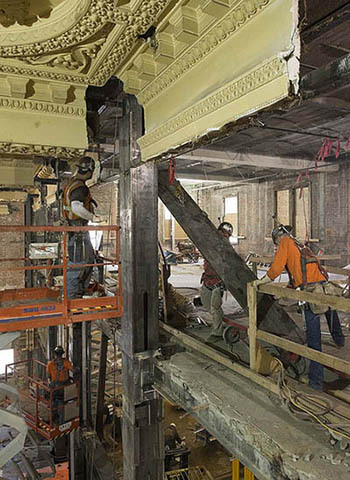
(28,308)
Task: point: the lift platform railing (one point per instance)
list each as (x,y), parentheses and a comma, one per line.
(25,308)
(279,291)
(192,473)
(51,412)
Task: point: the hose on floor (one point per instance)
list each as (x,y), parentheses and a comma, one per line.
(307,406)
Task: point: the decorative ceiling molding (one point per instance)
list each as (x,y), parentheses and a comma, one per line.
(137,23)
(61,20)
(97,14)
(208,43)
(7,148)
(22,12)
(89,37)
(264,74)
(36,106)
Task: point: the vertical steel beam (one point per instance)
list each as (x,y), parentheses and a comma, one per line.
(101,386)
(142,409)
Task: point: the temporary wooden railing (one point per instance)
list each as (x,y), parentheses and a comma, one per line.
(275,289)
(322,258)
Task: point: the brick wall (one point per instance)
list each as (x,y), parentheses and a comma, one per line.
(12,246)
(330,222)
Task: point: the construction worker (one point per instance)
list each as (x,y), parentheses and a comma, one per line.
(213,289)
(58,373)
(78,210)
(304,271)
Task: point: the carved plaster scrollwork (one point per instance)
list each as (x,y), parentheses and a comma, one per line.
(41,150)
(99,13)
(73,49)
(228,26)
(231,92)
(78,59)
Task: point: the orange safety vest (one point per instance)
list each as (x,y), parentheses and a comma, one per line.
(72,185)
(289,256)
(59,371)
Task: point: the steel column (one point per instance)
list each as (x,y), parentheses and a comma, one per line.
(142,408)
(101,386)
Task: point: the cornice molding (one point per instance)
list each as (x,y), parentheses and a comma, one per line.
(219,33)
(40,150)
(36,106)
(137,23)
(258,77)
(79,79)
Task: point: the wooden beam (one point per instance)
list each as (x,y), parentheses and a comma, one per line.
(210,352)
(336,303)
(252,328)
(229,158)
(331,77)
(327,360)
(222,256)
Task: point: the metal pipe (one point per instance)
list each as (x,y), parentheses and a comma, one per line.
(84,373)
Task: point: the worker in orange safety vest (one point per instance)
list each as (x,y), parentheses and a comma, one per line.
(58,372)
(305,272)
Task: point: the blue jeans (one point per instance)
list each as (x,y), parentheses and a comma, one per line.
(80,251)
(313,337)
(335,327)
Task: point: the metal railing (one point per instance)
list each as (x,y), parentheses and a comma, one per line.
(42,307)
(193,473)
(38,401)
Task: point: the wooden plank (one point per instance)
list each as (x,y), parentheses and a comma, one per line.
(252,328)
(337,270)
(269,258)
(200,347)
(337,303)
(327,360)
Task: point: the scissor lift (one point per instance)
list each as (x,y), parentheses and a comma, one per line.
(26,308)
(41,411)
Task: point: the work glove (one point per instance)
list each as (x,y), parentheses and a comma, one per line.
(261,281)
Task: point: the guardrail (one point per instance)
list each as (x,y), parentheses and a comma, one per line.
(42,412)
(25,308)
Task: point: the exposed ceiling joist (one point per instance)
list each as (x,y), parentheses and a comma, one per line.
(228,159)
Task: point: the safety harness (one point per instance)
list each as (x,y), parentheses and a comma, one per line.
(67,199)
(306,257)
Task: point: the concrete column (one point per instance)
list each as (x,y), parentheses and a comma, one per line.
(142,409)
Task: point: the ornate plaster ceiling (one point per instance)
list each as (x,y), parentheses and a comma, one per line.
(207,63)
(80,41)
(26,12)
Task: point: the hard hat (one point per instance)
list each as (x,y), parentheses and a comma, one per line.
(172,425)
(85,164)
(280,230)
(226,227)
(59,350)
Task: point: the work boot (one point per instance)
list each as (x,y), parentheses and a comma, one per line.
(213,338)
